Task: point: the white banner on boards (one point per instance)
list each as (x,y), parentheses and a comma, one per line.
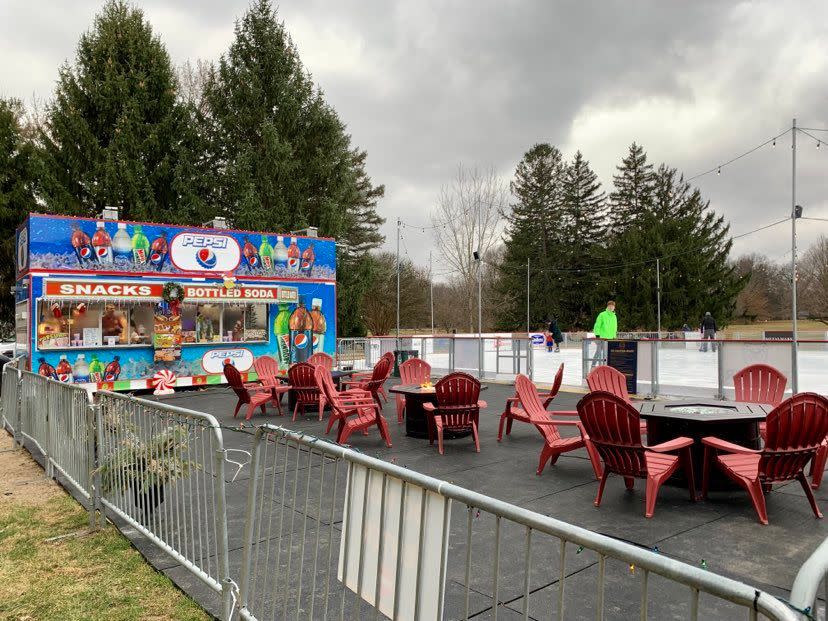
(405,520)
(736,355)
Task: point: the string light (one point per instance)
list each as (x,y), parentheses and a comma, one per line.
(719,172)
(632,568)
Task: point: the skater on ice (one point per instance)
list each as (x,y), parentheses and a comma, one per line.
(605,328)
(708,331)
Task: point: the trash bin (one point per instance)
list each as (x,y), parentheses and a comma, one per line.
(400,356)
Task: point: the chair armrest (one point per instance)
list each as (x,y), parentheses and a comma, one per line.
(512,399)
(672,445)
(552,421)
(563,412)
(256,388)
(429,407)
(724,445)
(482,404)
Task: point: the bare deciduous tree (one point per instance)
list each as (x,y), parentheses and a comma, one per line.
(468,219)
(192,80)
(813,280)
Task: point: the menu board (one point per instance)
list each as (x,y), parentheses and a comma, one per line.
(167,335)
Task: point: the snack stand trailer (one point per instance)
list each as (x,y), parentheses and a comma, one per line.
(119,305)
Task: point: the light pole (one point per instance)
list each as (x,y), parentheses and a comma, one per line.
(399,222)
(478,256)
(658,294)
(796,211)
(431,288)
(527,296)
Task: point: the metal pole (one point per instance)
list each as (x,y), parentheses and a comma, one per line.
(431,286)
(479,291)
(527,295)
(658,294)
(398,284)
(794,344)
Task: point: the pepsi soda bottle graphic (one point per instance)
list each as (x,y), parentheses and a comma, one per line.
(140,246)
(294,257)
(308,259)
(158,251)
(46,369)
(251,255)
(320,325)
(113,370)
(82,246)
(64,370)
(301,333)
(102,244)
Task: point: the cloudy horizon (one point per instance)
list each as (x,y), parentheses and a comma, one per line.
(426,86)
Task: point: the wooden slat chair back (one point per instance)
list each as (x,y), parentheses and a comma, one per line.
(322,359)
(267,369)
(458,407)
(609,380)
(760,383)
(252,396)
(508,417)
(302,380)
(413,372)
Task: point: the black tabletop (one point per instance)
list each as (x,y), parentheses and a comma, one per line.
(701,410)
(413,389)
(338,374)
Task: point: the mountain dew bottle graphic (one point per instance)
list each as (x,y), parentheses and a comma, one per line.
(281,329)
(96,370)
(140,246)
(266,254)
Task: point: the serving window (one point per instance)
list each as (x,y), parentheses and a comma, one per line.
(65,324)
(223,323)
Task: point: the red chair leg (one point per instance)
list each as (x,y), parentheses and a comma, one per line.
(809,493)
(709,456)
(597,501)
(818,466)
(500,426)
(439,438)
(757,496)
(546,452)
(345,431)
(476,437)
(686,458)
(629,482)
(331,421)
(295,410)
(651,494)
(321,406)
(509,422)
(238,407)
(278,403)
(383,429)
(594,458)
(251,407)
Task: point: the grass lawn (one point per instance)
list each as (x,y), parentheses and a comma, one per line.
(86,575)
(803,325)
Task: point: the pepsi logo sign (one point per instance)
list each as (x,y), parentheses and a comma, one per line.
(85,252)
(205,252)
(214,360)
(300,341)
(538,339)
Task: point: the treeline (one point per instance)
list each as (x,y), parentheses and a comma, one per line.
(250,138)
(585,245)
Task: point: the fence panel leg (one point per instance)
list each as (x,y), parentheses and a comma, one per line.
(720,371)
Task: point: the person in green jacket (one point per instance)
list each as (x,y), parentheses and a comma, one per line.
(605,328)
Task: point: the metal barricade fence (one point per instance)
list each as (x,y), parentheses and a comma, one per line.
(34,414)
(353,353)
(161,469)
(71,446)
(408,546)
(812,574)
(10,398)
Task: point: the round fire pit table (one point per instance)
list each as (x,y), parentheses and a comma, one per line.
(416,419)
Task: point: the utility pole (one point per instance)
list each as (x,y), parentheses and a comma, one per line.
(399,222)
(527,296)
(479,290)
(431,287)
(658,294)
(794,344)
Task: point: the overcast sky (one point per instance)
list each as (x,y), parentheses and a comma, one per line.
(426,85)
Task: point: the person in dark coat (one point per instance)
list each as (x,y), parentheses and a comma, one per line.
(708,331)
(555,331)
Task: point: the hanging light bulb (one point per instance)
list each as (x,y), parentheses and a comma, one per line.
(719,172)
(774,142)
(818,143)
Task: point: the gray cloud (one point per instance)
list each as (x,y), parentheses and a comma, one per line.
(426,85)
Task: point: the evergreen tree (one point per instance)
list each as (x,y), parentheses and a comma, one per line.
(17,198)
(533,232)
(693,245)
(280,153)
(633,193)
(583,232)
(114,133)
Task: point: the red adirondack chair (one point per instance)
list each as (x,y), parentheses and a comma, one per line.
(760,383)
(507,417)
(457,408)
(305,391)
(322,359)
(355,410)
(267,369)
(612,425)
(253,395)
(612,381)
(365,376)
(532,411)
(413,371)
(373,384)
(796,428)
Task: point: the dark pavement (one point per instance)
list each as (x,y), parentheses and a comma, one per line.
(722,530)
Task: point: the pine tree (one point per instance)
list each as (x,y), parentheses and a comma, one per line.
(633,193)
(280,154)
(114,133)
(533,232)
(693,245)
(583,232)
(18,174)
